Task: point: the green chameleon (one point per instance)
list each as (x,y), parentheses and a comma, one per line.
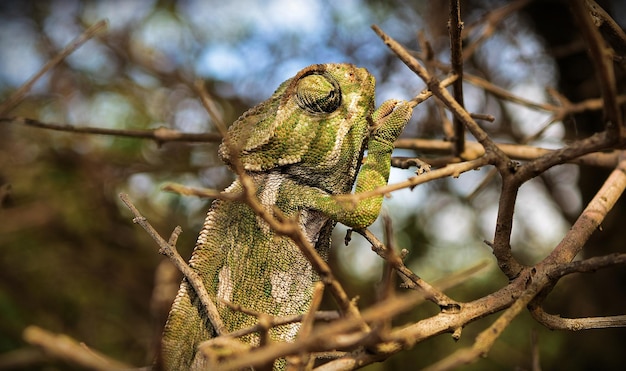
(300,147)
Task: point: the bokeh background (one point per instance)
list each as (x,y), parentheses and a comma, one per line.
(71,261)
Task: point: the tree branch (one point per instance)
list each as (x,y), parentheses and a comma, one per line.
(71,351)
(159,135)
(169,249)
(455,28)
(602,58)
(19,94)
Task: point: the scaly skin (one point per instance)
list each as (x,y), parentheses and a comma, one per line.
(299,147)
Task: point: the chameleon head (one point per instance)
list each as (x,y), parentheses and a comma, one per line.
(312,122)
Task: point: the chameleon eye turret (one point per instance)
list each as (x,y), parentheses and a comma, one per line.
(318,94)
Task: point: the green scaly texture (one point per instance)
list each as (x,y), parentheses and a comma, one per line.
(300,147)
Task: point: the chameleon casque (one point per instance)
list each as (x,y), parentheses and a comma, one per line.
(300,147)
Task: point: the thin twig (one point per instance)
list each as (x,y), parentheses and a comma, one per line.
(426,93)
(431,66)
(612,31)
(209,105)
(159,135)
(589,265)
(429,292)
(554,322)
(453,170)
(501,160)
(304,361)
(327,337)
(602,58)
(191,275)
(534,355)
(490,23)
(455,28)
(591,217)
(184,190)
(17,96)
(326,316)
(65,348)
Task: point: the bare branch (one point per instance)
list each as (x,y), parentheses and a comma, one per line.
(434,85)
(501,245)
(21,92)
(159,135)
(591,217)
(184,190)
(612,31)
(455,27)
(71,351)
(588,265)
(170,251)
(602,58)
(413,280)
(453,170)
(489,23)
(554,322)
(209,106)
(426,93)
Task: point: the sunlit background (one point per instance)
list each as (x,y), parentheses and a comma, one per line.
(71,260)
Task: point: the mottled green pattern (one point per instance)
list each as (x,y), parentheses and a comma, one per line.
(300,147)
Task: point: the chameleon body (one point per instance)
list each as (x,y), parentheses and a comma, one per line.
(300,147)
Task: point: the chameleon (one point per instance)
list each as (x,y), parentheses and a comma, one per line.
(300,147)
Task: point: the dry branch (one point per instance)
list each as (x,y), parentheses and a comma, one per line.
(65,348)
(19,94)
(602,58)
(413,281)
(438,90)
(168,248)
(159,135)
(455,27)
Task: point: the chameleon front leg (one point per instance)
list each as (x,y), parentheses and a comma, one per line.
(388,121)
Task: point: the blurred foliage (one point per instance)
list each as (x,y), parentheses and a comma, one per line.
(71,261)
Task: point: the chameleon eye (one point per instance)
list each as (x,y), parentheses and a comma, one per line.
(318,94)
